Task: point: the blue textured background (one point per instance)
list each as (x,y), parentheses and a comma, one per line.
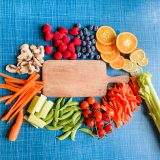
(20,23)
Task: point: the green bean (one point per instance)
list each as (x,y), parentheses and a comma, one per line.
(75,116)
(56,114)
(88,131)
(54,123)
(66,128)
(73,135)
(75,108)
(64,136)
(78,124)
(67,115)
(63,102)
(69,104)
(49,120)
(54,128)
(50,114)
(65,121)
(71,123)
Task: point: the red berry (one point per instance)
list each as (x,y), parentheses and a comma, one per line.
(66,39)
(101,133)
(84,105)
(97,115)
(73,31)
(57,43)
(76,41)
(63,30)
(100,124)
(96,106)
(46,28)
(90,122)
(105,117)
(87,113)
(57,35)
(57,56)
(62,47)
(48,36)
(108,128)
(73,56)
(71,48)
(66,54)
(48,49)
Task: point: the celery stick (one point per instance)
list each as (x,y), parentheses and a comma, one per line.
(42,99)
(36,121)
(31,108)
(26,118)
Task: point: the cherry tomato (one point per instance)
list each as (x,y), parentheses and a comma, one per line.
(105,117)
(87,113)
(84,105)
(90,100)
(101,133)
(90,122)
(97,115)
(108,128)
(96,106)
(100,124)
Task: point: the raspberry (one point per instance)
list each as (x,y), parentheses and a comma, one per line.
(74,31)
(46,27)
(66,54)
(57,35)
(62,47)
(71,48)
(66,39)
(57,56)
(63,30)
(76,41)
(73,56)
(48,36)
(48,49)
(57,43)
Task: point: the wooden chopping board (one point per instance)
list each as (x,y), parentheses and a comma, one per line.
(73,78)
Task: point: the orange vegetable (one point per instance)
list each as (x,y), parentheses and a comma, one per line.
(5,98)
(16,127)
(6,86)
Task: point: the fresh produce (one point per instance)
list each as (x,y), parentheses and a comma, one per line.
(88,131)
(16,127)
(118,64)
(120,102)
(150,96)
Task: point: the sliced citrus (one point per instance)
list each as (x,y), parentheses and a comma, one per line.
(137,72)
(127,65)
(105,49)
(134,67)
(137,55)
(126,42)
(111,57)
(118,64)
(143,62)
(106,35)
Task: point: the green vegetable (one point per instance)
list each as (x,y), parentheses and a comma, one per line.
(66,128)
(63,102)
(67,115)
(58,105)
(74,108)
(54,123)
(49,120)
(75,116)
(78,124)
(50,115)
(54,128)
(88,131)
(26,118)
(64,136)
(65,121)
(73,135)
(31,108)
(150,96)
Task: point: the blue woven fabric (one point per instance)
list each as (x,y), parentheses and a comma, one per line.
(20,23)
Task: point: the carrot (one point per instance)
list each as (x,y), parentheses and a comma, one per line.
(5,98)
(16,127)
(29,84)
(13,85)
(6,86)
(15,81)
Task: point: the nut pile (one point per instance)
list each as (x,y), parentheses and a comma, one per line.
(29,60)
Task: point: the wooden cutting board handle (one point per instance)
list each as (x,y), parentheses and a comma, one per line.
(124,78)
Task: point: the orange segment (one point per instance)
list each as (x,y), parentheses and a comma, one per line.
(126,42)
(111,57)
(118,64)
(106,35)
(137,56)
(105,49)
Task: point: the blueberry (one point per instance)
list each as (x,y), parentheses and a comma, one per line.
(79,54)
(91,37)
(78,36)
(90,27)
(84,56)
(85,33)
(89,43)
(89,50)
(95,28)
(83,43)
(82,37)
(93,41)
(87,54)
(93,48)
(91,56)
(78,25)
(83,49)
(81,33)
(78,48)
(88,47)
(85,29)
(87,38)
(97,57)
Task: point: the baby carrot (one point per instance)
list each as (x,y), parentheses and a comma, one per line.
(5,98)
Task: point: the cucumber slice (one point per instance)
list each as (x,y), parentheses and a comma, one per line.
(31,108)
(36,121)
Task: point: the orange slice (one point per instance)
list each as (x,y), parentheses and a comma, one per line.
(106,35)
(118,64)
(143,62)
(128,65)
(126,42)
(113,56)
(137,56)
(105,49)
